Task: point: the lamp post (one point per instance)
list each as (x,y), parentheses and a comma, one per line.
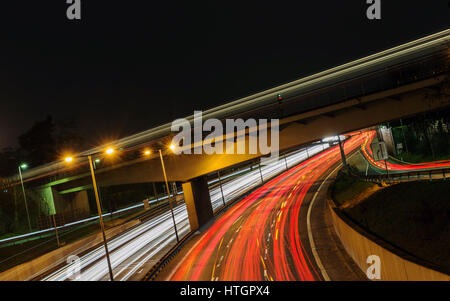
(109,151)
(168,191)
(221,190)
(344,161)
(99,209)
(23,166)
(260,171)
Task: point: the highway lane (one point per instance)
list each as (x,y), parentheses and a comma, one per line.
(254,178)
(262,237)
(393,167)
(131,250)
(146,238)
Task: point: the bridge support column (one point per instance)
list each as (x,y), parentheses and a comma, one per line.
(198,202)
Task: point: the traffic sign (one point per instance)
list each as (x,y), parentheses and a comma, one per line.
(379,151)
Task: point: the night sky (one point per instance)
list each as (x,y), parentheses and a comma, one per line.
(130,65)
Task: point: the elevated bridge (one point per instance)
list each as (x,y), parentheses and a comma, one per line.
(396,83)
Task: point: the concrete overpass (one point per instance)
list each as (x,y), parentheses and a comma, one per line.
(399,82)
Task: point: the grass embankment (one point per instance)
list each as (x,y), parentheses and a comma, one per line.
(349,191)
(421,158)
(412,216)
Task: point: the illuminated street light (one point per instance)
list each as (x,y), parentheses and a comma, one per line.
(172,147)
(68,159)
(109,151)
(168,190)
(147,153)
(23,166)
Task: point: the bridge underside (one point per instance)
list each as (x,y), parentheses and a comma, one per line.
(296,130)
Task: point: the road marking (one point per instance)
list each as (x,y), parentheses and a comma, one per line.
(214,265)
(308,224)
(229,243)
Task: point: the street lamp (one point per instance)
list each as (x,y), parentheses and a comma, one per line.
(109,151)
(172,147)
(21,167)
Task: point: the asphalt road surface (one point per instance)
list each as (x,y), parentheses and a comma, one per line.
(132,251)
(265,236)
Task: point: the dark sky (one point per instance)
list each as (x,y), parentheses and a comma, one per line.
(130,65)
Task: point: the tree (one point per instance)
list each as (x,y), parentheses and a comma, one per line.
(44,142)
(9,159)
(39,143)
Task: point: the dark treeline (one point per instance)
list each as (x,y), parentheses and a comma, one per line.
(44,142)
(425,137)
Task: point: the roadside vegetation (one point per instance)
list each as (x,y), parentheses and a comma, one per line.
(423,138)
(348,190)
(413,217)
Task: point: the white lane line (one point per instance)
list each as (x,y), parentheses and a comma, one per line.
(308,224)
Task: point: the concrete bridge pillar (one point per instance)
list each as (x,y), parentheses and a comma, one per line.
(198,202)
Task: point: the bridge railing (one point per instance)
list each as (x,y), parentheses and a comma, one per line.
(416,175)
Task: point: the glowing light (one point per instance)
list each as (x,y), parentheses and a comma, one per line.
(23,165)
(97,160)
(172,147)
(147,153)
(68,159)
(109,151)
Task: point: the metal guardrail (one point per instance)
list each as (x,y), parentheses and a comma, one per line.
(157,268)
(431,174)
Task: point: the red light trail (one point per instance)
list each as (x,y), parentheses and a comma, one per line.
(367,151)
(259,237)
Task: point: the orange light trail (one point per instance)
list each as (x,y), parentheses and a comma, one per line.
(266,241)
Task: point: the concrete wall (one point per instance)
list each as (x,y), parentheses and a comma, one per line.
(395,266)
(80,201)
(198,202)
(52,202)
(47,201)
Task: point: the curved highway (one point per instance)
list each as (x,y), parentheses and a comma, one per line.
(132,249)
(260,238)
